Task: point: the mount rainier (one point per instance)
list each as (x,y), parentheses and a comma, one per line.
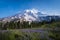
(30,15)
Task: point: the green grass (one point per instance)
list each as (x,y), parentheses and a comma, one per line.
(19,35)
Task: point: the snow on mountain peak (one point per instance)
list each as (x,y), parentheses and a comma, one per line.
(29,15)
(32,10)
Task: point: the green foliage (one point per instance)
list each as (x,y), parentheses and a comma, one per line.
(7,36)
(19,35)
(16,35)
(55,35)
(24,24)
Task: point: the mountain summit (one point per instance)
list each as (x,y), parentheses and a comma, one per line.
(30,15)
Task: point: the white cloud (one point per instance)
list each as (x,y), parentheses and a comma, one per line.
(51,12)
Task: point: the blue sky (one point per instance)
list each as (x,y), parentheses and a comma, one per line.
(11,7)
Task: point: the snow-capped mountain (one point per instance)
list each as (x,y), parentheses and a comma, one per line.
(30,15)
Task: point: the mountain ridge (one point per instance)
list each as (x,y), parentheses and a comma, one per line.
(30,15)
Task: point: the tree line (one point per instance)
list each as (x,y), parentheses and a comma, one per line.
(25,24)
